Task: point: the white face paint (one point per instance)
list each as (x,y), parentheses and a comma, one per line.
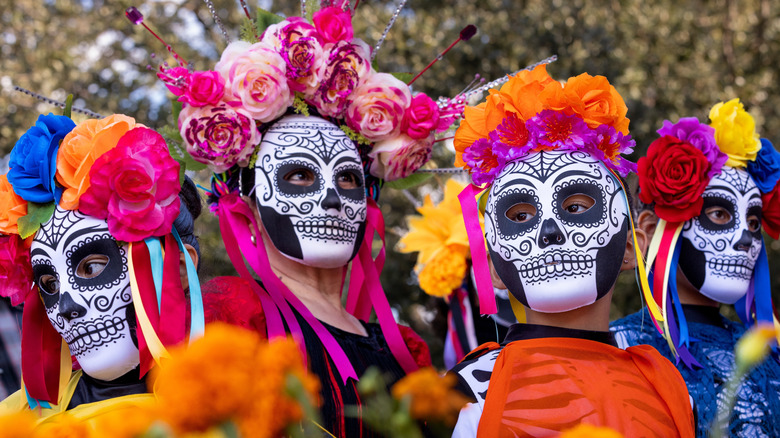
(82,276)
(720,246)
(556,226)
(310,191)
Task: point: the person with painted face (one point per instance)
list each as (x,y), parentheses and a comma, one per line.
(299,131)
(558,231)
(711,187)
(98,244)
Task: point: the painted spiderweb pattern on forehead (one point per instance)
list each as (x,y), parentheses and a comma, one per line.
(543,165)
(52,232)
(323,139)
(740,180)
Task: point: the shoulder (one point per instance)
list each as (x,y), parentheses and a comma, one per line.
(475,370)
(635,329)
(232,300)
(417,346)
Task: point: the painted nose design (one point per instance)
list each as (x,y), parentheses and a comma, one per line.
(550,234)
(69,309)
(744,242)
(331,200)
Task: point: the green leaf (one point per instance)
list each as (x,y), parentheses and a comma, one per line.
(68,106)
(403,76)
(248,31)
(410,181)
(265,19)
(176,107)
(179,154)
(37,214)
(311,8)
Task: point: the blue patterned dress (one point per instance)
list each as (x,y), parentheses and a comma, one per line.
(713,337)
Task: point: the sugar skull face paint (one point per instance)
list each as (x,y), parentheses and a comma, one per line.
(556,226)
(720,246)
(82,276)
(310,191)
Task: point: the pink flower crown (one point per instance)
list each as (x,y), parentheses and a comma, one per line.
(532,112)
(304,66)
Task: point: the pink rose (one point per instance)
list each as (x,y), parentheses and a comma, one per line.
(334,24)
(135,187)
(16,277)
(301,48)
(377,107)
(175,79)
(219,136)
(421,117)
(204,88)
(256,80)
(340,75)
(399,157)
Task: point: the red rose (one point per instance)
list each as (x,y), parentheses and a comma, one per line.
(421,117)
(16,276)
(770,214)
(673,175)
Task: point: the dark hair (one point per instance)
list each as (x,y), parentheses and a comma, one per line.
(191,209)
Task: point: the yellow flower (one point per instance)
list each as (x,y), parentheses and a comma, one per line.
(589,431)
(125,423)
(444,272)
(432,397)
(754,345)
(735,132)
(439,237)
(62,426)
(18,425)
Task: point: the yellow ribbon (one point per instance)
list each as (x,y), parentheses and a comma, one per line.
(156,347)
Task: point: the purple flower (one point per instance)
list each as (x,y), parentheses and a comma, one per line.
(608,144)
(511,139)
(484,164)
(700,136)
(552,130)
(766,169)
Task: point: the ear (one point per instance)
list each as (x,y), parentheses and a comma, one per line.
(647,221)
(629,256)
(183,264)
(497,282)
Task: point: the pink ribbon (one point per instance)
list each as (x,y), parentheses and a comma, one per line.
(239,216)
(468,203)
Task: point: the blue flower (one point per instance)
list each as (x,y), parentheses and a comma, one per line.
(766,169)
(33,160)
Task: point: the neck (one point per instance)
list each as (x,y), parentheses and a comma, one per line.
(594,317)
(689,294)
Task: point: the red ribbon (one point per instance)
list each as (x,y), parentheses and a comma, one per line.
(146,289)
(41,346)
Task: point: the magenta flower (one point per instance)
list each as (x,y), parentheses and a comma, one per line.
(421,118)
(135,187)
(340,75)
(552,130)
(218,136)
(175,79)
(334,24)
(300,46)
(700,136)
(204,88)
(15,270)
(400,156)
(485,165)
(608,144)
(511,139)
(377,107)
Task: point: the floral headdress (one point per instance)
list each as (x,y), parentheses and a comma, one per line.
(673,176)
(112,169)
(310,65)
(530,113)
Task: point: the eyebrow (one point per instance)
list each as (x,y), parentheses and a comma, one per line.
(725,188)
(38,252)
(754,196)
(81,232)
(309,157)
(350,160)
(572,173)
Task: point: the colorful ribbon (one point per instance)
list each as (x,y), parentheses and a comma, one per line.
(483,283)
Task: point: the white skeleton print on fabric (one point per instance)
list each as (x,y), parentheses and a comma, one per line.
(556,225)
(82,276)
(310,191)
(721,245)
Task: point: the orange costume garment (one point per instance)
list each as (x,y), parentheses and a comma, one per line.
(539,387)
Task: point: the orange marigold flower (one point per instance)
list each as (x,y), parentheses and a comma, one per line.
(472,128)
(18,425)
(595,100)
(589,431)
(131,422)
(432,397)
(445,271)
(79,150)
(12,207)
(63,426)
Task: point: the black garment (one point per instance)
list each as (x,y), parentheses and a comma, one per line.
(90,390)
(363,352)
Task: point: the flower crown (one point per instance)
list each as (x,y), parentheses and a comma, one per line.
(532,112)
(679,165)
(111,169)
(305,67)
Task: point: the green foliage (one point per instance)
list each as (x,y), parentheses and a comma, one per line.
(249,31)
(403,77)
(68,106)
(410,181)
(37,215)
(265,19)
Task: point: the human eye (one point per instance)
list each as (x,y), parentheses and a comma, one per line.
(521,213)
(578,204)
(92,265)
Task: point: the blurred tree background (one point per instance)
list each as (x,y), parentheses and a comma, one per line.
(668,58)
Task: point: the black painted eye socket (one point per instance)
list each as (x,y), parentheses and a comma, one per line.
(298,178)
(754,220)
(580,203)
(521,213)
(49,284)
(717,213)
(303,177)
(349,180)
(92,266)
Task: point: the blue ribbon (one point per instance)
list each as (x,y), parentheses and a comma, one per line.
(156,259)
(197,316)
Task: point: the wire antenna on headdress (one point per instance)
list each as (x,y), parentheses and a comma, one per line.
(245,8)
(57,103)
(465,35)
(495,83)
(136,17)
(217,20)
(387,28)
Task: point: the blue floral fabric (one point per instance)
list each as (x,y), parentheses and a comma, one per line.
(757,412)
